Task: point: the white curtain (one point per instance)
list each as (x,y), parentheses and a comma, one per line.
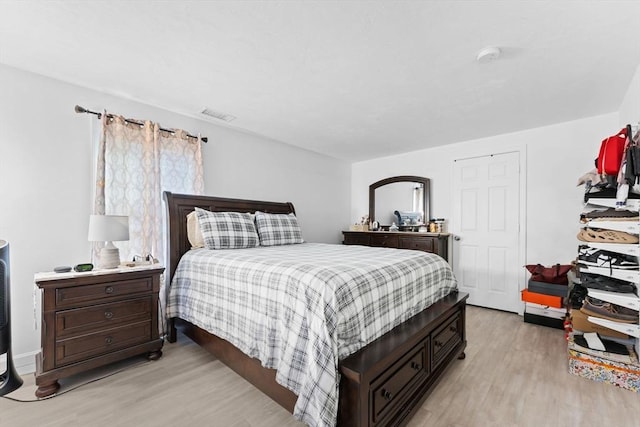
(135,164)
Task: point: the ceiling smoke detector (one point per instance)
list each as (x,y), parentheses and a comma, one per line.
(488,54)
(217,115)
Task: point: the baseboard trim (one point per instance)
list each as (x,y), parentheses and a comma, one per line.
(25,363)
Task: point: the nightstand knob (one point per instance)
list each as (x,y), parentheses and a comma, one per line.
(109,289)
(108,314)
(108,340)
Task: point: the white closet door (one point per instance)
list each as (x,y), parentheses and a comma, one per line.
(486,225)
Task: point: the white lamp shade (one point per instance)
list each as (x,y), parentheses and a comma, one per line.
(108,228)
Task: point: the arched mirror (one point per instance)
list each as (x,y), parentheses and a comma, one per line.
(400,199)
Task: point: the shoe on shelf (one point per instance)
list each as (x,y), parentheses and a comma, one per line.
(606,310)
(606,236)
(604,283)
(610,214)
(600,258)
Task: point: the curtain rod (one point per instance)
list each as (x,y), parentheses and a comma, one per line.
(79,109)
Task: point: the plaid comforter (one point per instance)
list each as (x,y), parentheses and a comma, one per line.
(301,308)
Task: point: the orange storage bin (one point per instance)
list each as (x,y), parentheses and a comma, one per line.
(542,299)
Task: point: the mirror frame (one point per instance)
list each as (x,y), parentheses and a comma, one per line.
(401,178)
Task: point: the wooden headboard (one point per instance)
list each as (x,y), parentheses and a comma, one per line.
(180,205)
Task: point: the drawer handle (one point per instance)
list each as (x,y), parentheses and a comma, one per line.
(453,329)
(108,314)
(108,340)
(438,343)
(386,394)
(108,290)
(416,366)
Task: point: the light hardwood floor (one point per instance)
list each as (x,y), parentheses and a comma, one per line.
(515,374)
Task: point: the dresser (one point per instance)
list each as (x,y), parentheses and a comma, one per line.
(95,318)
(437,243)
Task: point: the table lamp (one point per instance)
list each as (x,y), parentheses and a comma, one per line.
(108,228)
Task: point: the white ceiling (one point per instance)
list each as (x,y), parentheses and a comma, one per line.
(350,79)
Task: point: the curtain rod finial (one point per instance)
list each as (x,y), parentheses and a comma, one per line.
(79,109)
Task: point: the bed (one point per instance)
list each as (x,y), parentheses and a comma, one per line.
(382,381)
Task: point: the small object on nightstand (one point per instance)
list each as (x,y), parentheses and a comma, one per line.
(83,267)
(393,227)
(62,269)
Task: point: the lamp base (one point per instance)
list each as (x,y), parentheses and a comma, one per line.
(109,257)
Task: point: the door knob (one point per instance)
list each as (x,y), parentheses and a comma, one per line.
(456,238)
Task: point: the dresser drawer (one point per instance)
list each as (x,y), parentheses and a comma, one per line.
(356,239)
(422,243)
(397,381)
(85,346)
(384,240)
(104,316)
(98,292)
(445,338)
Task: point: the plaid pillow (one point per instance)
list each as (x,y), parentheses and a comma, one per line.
(227,230)
(278,229)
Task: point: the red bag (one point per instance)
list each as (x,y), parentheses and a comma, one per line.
(555,274)
(611,152)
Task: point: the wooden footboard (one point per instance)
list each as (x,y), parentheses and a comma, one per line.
(384,383)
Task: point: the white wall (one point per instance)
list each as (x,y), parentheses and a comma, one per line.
(46,171)
(630,108)
(556,156)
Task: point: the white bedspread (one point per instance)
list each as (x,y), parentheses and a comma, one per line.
(301,308)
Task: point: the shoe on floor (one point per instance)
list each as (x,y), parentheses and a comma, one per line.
(600,258)
(606,310)
(604,283)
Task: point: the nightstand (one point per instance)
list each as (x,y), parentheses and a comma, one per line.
(95,318)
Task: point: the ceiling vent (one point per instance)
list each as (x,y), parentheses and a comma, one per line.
(217,115)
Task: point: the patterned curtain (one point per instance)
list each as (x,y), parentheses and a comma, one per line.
(136,163)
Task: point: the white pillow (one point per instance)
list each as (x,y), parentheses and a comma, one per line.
(193,231)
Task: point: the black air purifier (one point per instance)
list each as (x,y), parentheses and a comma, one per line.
(9,380)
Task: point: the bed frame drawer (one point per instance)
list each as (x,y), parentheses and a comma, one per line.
(446,338)
(385,383)
(392,388)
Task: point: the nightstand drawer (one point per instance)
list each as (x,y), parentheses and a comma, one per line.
(104,316)
(98,292)
(91,345)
